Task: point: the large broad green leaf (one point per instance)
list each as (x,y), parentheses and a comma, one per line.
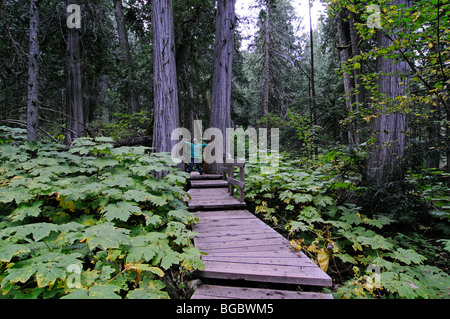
(149,289)
(9,250)
(38,230)
(120,179)
(191,259)
(151,219)
(169,258)
(25,209)
(17,194)
(19,274)
(106,236)
(376,242)
(95,292)
(142,253)
(103,162)
(322,200)
(157,200)
(48,273)
(407,256)
(121,211)
(183,216)
(146,247)
(302,198)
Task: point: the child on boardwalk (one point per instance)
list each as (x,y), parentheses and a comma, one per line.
(196,155)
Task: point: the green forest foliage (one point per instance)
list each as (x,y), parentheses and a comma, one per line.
(317,205)
(90,221)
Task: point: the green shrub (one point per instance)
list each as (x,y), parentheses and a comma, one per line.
(90,222)
(312,206)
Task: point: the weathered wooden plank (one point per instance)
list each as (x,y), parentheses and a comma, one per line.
(235,182)
(197,176)
(210,193)
(225,292)
(229,221)
(200,296)
(206,200)
(208,183)
(227,232)
(224,213)
(257,254)
(237,237)
(240,243)
(207,190)
(261,248)
(229,224)
(266,273)
(201,206)
(287,261)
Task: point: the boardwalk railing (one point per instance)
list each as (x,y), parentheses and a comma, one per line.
(228,168)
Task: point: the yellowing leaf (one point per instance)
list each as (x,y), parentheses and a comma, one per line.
(70,205)
(323,258)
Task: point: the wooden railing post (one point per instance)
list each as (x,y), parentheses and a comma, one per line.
(228,168)
(241,189)
(231,175)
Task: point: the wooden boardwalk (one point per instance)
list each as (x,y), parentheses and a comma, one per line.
(242,248)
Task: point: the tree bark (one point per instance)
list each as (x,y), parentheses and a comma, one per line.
(74,89)
(166,113)
(389,128)
(345,52)
(33,70)
(131,91)
(220,116)
(266,64)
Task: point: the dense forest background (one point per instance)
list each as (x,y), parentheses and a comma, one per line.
(361,101)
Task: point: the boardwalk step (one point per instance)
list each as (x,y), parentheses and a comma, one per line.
(211,199)
(197,176)
(208,183)
(224,292)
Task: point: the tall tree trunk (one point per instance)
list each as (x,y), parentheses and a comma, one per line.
(359,88)
(220,116)
(74,90)
(131,91)
(312,79)
(389,128)
(345,51)
(447,108)
(266,64)
(433,156)
(166,113)
(313,85)
(33,70)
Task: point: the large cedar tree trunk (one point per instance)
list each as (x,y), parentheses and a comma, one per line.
(266,64)
(220,116)
(131,91)
(74,90)
(33,70)
(345,53)
(166,114)
(389,127)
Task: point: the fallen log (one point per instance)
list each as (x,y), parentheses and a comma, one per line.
(134,141)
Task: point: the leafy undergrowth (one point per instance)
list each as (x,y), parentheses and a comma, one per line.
(92,221)
(315,206)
